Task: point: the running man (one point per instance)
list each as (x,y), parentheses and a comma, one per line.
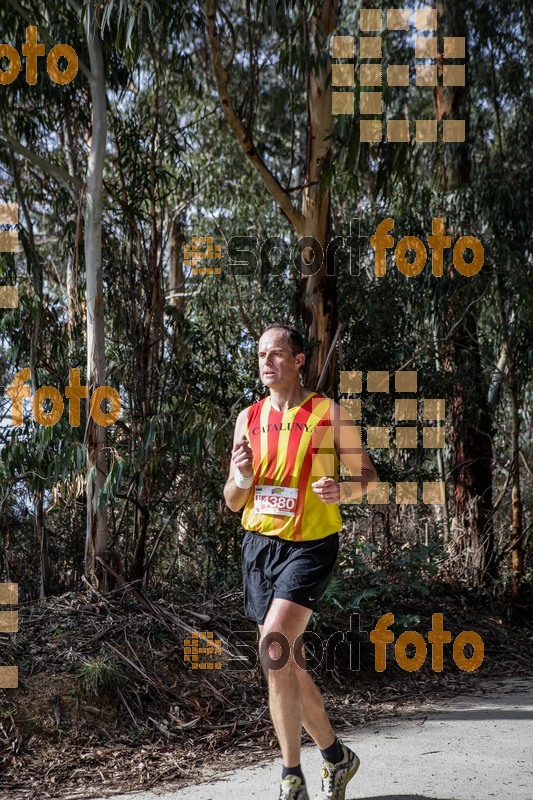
(283,473)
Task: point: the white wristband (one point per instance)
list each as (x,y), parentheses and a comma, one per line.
(241,480)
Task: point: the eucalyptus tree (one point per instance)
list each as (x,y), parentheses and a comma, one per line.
(245,74)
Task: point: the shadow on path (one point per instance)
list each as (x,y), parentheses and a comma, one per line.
(400,797)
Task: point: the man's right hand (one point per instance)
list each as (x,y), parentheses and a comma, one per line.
(242,457)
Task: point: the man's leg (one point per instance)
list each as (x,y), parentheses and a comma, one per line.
(284,692)
(315,719)
(293,695)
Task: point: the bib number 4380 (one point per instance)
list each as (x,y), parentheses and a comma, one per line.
(275,500)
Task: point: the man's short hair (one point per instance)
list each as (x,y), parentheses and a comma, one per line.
(294,337)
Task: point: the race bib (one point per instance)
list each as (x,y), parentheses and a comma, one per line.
(275,500)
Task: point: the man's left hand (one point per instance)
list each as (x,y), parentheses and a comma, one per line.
(327,490)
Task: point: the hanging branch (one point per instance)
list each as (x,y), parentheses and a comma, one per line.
(236,124)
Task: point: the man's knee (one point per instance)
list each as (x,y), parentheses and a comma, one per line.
(279,651)
(276,651)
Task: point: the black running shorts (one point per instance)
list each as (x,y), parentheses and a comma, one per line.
(274,567)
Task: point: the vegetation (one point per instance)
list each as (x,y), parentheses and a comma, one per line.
(214,119)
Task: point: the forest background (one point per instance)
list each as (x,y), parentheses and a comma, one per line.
(194,120)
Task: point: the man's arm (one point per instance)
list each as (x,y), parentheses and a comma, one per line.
(241,459)
(351,453)
(360,469)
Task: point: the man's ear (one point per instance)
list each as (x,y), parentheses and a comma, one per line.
(300,360)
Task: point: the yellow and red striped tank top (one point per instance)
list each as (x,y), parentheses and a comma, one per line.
(293,448)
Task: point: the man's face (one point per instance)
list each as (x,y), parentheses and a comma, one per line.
(277,365)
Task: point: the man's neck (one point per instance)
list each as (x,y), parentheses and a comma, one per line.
(284,398)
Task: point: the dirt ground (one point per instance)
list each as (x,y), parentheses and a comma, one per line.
(155,722)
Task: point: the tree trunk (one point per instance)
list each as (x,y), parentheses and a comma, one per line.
(516,541)
(36,268)
(471,429)
(72,257)
(96,539)
(318,296)
(318,291)
(42,537)
(176,272)
(517,554)
(451,102)
(140,527)
(527,11)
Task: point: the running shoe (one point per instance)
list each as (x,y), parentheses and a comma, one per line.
(293,788)
(335,777)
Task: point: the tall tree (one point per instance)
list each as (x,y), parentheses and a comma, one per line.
(318,293)
(471,429)
(96,539)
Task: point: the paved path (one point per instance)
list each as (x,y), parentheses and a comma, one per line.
(473,747)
